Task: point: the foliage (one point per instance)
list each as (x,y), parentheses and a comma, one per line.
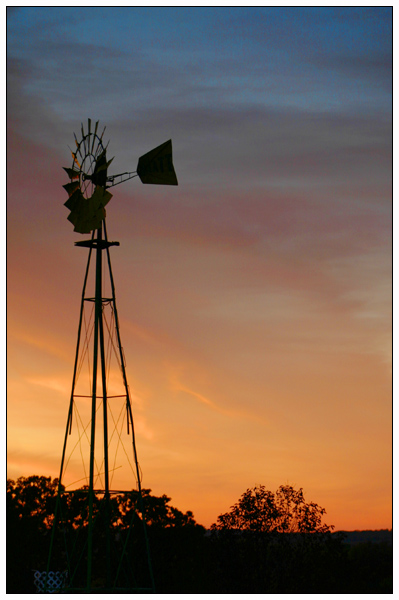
(268,543)
(284,511)
(34,497)
(156,509)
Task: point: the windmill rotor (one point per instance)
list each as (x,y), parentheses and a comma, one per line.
(87,188)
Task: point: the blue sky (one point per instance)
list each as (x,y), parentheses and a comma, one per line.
(291,57)
(220,70)
(256,296)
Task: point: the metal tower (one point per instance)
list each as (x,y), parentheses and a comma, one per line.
(99,540)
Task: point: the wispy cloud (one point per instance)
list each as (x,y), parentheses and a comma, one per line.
(55,385)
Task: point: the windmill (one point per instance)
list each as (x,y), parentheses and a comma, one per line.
(95,546)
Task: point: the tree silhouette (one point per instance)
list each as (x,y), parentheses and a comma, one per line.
(157,510)
(284,511)
(32,497)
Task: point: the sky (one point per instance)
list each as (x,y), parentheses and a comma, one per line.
(254,298)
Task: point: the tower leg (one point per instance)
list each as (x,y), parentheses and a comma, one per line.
(129,412)
(106,463)
(69,420)
(97,319)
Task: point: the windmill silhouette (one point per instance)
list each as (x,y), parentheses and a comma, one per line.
(95,545)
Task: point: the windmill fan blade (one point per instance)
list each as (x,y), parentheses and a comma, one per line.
(99,177)
(72,174)
(101,197)
(87,213)
(157,167)
(94,136)
(85,223)
(74,200)
(76,160)
(71,187)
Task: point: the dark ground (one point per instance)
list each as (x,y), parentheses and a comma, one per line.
(190,560)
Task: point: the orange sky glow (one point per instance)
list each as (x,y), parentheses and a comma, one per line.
(254,299)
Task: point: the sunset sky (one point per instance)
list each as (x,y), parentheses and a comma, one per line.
(254,298)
